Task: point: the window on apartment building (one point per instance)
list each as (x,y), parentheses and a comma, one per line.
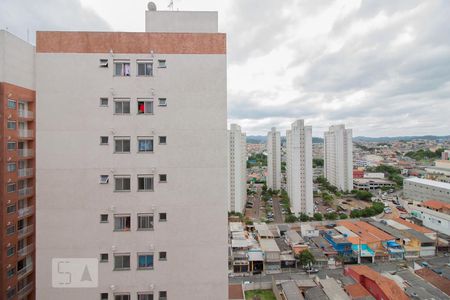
(11,167)
(10,251)
(103,296)
(122,222)
(11,125)
(162,140)
(122,183)
(121,106)
(162,63)
(122,68)
(145,221)
(163,178)
(10,272)
(12,104)
(122,261)
(162,101)
(145,106)
(145,261)
(11,187)
(103,63)
(162,295)
(103,101)
(162,217)
(122,144)
(104,140)
(145,183)
(145,296)
(104,218)
(104,257)
(163,255)
(122,296)
(11,208)
(10,292)
(145,144)
(10,229)
(12,146)
(145,68)
(104,179)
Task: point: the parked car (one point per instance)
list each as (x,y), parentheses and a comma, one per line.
(425,264)
(437,271)
(312,270)
(401,208)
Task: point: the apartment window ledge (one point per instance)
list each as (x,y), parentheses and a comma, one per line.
(125,269)
(119,191)
(144,269)
(145,229)
(145,191)
(122,230)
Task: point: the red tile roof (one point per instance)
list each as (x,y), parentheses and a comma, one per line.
(367,232)
(435,204)
(413,226)
(440,282)
(388,286)
(356,291)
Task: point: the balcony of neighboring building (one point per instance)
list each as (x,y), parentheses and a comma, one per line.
(26,152)
(26,134)
(24,231)
(26,114)
(25,172)
(26,191)
(25,250)
(26,270)
(25,290)
(26,211)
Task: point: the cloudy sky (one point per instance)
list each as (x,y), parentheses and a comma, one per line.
(382,67)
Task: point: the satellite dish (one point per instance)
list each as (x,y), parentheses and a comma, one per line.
(151,6)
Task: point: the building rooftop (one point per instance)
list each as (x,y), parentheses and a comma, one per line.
(332,289)
(235,292)
(315,293)
(357,291)
(438,281)
(413,226)
(417,283)
(435,204)
(293,237)
(291,291)
(398,234)
(437,184)
(388,286)
(269,245)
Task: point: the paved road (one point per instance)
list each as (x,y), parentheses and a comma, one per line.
(277,215)
(253,213)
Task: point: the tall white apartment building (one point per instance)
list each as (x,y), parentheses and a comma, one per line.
(299,169)
(273,159)
(132,159)
(237,168)
(338,157)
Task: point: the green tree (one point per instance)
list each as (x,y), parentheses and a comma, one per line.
(363,195)
(306,258)
(317,162)
(343,216)
(318,217)
(327,198)
(290,218)
(331,216)
(303,217)
(356,213)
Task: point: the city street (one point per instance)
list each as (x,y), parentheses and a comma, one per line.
(277,215)
(254,213)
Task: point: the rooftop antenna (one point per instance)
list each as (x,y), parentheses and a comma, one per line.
(170,5)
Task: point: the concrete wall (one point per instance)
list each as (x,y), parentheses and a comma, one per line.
(16,61)
(181,21)
(70,161)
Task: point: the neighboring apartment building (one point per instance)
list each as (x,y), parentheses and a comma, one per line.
(273,159)
(17,162)
(434,215)
(299,170)
(418,189)
(133,158)
(237,168)
(338,157)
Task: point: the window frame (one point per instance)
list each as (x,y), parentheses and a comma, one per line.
(162,219)
(8,211)
(162,296)
(122,177)
(11,143)
(104,63)
(145,102)
(146,138)
(160,178)
(160,102)
(146,176)
(102,137)
(123,63)
(144,63)
(102,220)
(127,219)
(162,63)
(162,258)
(10,170)
(122,139)
(104,99)
(121,295)
(164,137)
(117,255)
(139,294)
(122,101)
(11,184)
(140,254)
(14,106)
(11,122)
(102,259)
(145,215)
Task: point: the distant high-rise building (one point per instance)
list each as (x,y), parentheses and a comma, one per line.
(237,168)
(299,169)
(446,155)
(338,157)
(17,163)
(273,159)
(133,159)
